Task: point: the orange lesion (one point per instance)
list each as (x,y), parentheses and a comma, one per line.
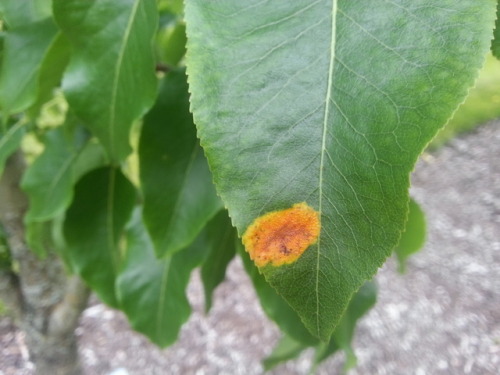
(280,237)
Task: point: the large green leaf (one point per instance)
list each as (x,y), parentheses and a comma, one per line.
(110,81)
(25,47)
(93,228)
(152,291)
(222,237)
(179,196)
(326,102)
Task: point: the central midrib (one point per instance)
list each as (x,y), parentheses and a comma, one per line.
(323,148)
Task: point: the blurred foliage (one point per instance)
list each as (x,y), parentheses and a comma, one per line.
(482,105)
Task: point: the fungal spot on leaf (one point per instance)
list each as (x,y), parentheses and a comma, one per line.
(280,237)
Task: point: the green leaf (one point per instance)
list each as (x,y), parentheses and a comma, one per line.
(110,81)
(49,183)
(274,306)
(495,43)
(174,6)
(50,179)
(179,196)
(19,13)
(93,228)
(285,350)
(172,43)
(222,237)
(329,103)
(24,49)
(51,71)
(364,299)
(413,238)
(39,237)
(288,348)
(10,142)
(152,291)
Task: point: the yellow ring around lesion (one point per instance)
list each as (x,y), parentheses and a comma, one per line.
(281,237)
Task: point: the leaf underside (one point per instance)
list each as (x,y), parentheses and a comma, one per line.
(330,103)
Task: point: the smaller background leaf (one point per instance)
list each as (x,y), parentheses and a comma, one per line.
(179,196)
(68,154)
(173,6)
(286,349)
(93,228)
(112,59)
(51,71)
(172,43)
(24,50)
(17,13)
(10,141)
(39,237)
(413,238)
(222,236)
(152,291)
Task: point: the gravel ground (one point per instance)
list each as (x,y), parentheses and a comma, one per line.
(442,317)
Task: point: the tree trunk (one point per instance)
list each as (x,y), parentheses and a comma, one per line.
(46,301)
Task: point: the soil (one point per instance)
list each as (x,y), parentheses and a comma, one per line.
(441,317)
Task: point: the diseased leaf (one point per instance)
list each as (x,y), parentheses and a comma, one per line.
(10,142)
(319,109)
(222,236)
(110,81)
(93,228)
(413,238)
(179,196)
(152,291)
(24,49)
